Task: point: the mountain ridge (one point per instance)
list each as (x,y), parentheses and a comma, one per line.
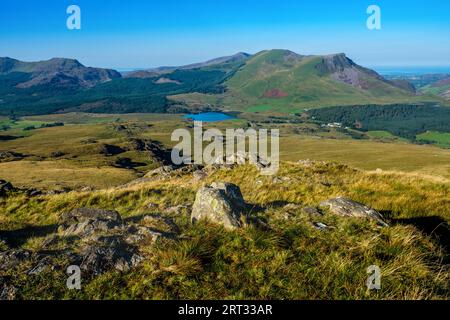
(57,72)
(153,72)
(309,81)
(276,80)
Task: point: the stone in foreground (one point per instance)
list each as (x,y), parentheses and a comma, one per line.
(348,208)
(221,203)
(107,254)
(86,221)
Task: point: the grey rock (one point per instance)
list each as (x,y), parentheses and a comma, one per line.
(348,208)
(161,171)
(221,203)
(11,259)
(45,263)
(320,226)
(5,187)
(86,221)
(109,253)
(136,234)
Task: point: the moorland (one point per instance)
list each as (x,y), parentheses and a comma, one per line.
(87,179)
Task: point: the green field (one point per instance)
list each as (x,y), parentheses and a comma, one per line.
(440,138)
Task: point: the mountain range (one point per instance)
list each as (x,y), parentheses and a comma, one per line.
(57,72)
(275,80)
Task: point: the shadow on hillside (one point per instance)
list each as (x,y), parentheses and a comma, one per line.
(16,238)
(434,226)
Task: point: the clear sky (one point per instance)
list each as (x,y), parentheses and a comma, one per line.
(146,33)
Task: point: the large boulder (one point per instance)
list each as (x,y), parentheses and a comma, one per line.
(220,203)
(86,221)
(348,208)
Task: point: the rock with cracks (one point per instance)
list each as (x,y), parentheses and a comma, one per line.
(221,203)
(108,253)
(348,208)
(87,221)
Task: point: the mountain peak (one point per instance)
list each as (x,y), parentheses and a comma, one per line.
(60,72)
(7,64)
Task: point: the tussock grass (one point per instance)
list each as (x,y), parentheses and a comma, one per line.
(289,259)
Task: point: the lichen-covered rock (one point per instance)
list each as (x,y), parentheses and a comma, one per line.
(348,208)
(221,203)
(86,221)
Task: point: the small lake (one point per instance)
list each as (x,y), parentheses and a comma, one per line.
(209,117)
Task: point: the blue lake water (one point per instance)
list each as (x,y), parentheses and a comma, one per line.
(209,117)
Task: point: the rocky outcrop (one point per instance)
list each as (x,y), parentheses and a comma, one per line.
(161,171)
(8,156)
(348,208)
(86,221)
(106,253)
(5,187)
(220,203)
(11,259)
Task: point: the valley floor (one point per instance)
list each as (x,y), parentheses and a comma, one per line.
(282,250)
(72,156)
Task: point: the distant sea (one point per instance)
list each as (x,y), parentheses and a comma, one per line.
(389,71)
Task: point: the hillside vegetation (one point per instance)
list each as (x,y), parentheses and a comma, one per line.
(278,254)
(406,121)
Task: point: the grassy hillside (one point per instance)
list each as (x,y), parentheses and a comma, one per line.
(279,254)
(288,259)
(71,156)
(304,85)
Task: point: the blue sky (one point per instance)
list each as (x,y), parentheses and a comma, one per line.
(146,33)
